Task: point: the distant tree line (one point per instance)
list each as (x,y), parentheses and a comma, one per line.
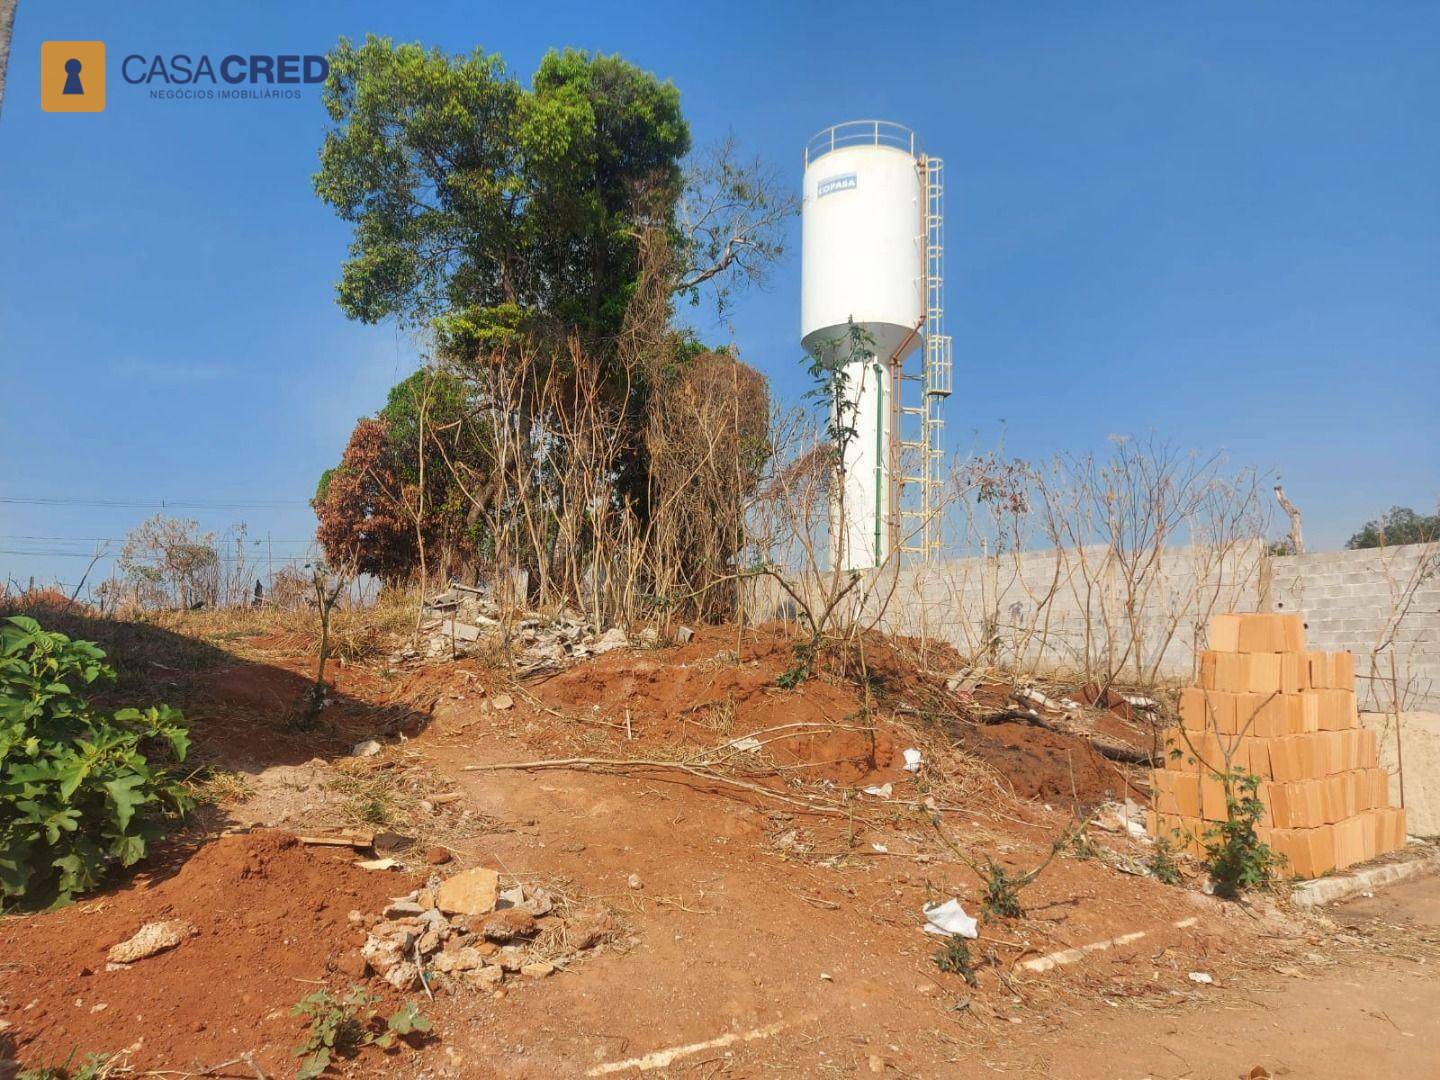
(1398,525)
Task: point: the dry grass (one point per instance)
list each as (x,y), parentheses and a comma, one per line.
(219,787)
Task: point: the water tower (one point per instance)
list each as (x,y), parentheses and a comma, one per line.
(872,255)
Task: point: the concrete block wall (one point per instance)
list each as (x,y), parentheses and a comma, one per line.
(1067,609)
(1372,601)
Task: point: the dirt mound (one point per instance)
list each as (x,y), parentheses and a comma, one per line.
(1040,764)
(697,696)
(269,913)
(674,702)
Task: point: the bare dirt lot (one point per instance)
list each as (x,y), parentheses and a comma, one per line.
(766,909)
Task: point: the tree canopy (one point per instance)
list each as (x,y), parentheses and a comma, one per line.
(540,234)
(1398,525)
(482,207)
(395,485)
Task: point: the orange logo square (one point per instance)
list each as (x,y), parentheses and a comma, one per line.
(72,76)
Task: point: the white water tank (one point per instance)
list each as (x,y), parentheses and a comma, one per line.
(862,261)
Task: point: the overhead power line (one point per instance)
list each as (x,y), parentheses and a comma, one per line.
(222,541)
(153,504)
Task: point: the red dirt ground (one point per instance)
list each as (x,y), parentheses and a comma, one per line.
(270,912)
(779,939)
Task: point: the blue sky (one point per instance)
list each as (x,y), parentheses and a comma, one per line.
(1220,223)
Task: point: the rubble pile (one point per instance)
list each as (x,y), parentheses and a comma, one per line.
(466,932)
(464,620)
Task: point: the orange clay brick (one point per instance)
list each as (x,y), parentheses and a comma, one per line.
(1269,716)
(1254,673)
(1271,634)
(1176,793)
(1212,798)
(1293,672)
(1365,750)
(1183,834)
(1224,633)
(1342,670)
(1263,674)
(1209,710)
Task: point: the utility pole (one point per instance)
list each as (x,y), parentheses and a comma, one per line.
(7,28)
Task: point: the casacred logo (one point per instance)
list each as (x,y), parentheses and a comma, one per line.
(72,76)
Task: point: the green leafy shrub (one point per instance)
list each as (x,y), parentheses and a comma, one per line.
(347,1025)
(94,1067)
(953,958)
(1238,860)
(1162,865)
(79,792)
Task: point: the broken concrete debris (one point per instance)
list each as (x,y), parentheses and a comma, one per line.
(612,639)
(386,863)
(415,941)
(470,892)
(537,901)
(463,620)
(509,924)
(152,938)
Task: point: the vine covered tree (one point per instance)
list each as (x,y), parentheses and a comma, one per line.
(540,236)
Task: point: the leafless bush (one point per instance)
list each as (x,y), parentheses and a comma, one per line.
(1098,565)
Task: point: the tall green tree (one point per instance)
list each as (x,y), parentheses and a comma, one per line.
(541,233)
(482,207)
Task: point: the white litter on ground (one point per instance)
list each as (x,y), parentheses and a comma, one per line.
(949,919)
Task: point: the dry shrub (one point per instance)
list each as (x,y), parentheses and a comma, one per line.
(615,475)
(708,440)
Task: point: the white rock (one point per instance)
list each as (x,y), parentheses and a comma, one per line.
(382,954)
(368,748)
(612,639)
(152,938)
(403,976)
(490,976)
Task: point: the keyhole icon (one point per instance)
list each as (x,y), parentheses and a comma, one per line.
(72,77)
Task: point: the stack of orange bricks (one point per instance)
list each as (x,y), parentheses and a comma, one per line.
(1267,707)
